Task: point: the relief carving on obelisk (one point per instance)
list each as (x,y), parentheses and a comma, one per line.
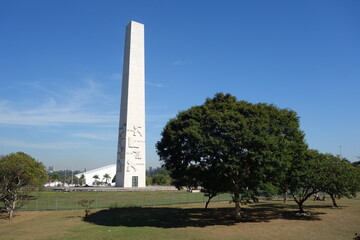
(121,148)
(134,142)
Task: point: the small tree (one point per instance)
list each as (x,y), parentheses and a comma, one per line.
(96,180)
(82,180)
(107,177)
(86,204)
(20,174)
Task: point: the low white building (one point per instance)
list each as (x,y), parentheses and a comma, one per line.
(89,180)
(53,184)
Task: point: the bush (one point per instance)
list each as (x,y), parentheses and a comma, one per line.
(161,179)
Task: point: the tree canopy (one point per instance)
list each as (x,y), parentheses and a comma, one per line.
(235,143)
(20,174)
(306,176)
(318,172)
(343,179)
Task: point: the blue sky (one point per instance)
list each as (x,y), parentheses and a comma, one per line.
(61,66)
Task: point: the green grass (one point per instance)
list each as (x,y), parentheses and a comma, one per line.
(69,200)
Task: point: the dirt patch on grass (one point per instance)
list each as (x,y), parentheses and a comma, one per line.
(38,225)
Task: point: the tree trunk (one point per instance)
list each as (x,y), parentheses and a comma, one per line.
(285,196)
(11,212)
(12,205)
(208,201)
(236,200)
(300,205)
(237,211)
(87,212)
(301,201)
(333,200)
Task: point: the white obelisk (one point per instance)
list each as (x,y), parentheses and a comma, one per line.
(130,170)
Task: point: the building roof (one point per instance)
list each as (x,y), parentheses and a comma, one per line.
(96,170)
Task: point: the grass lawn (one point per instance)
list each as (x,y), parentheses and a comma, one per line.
(69,200)
(264,220)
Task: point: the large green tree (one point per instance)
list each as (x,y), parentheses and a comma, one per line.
(20,174)
(239,144)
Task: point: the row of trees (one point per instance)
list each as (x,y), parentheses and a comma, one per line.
(234,146)
(97,181)
(66,179)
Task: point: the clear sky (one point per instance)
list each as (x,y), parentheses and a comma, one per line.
(61,66)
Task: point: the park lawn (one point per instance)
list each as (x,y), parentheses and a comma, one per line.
(69,200)
(264,220)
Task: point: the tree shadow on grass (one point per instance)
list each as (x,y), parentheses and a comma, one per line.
(325,206)
(189,217)
(269,211)
(160,217)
